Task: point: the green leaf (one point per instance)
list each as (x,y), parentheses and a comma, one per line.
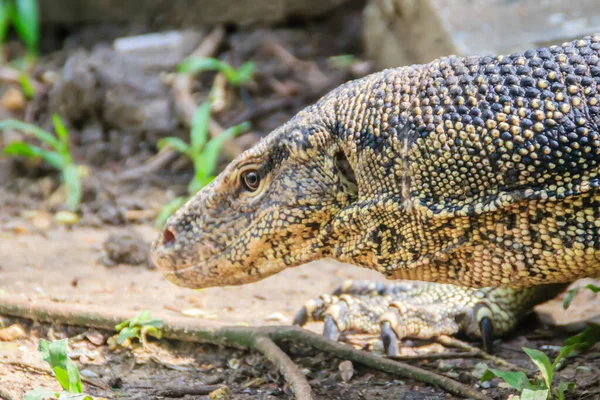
(38,133)
(39,393)
(27,24)
(127,333)
(535,394)
(562,388)
(174,143)
(26,85)
(569,297)
(74,396)
(193,65)
(593,288)
(72,181)
(207,162)
(198,182)
(140,318)
(199,131)
(54,159)
(6,11)
(168,210)
(61,133)
(152,331)
(342,61)
(517,380)
(540,359)
(65,370)
(23,149)
(244,73)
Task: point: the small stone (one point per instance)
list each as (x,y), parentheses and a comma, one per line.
(95,337)
(221,393)
(276,317)
(88,374)
(11,333)
(42,221)
(346,370)
(13,99)
(66,218)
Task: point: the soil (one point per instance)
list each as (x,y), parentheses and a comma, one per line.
(102,260)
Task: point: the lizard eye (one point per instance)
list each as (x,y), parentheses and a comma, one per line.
(251,179)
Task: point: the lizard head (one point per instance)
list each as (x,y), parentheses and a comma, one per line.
(271,208)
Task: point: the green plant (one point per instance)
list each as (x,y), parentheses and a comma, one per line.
(60,157)
(23,15)
(571,294)
(140,326)
(203,152)
(542,388)
(65,371)
(236,77)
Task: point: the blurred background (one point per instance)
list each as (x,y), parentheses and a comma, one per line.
(114,112)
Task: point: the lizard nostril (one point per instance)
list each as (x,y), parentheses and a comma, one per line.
(168,237)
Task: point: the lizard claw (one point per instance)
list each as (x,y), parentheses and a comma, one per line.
(487,334)
(330,329)
(389,339)
(301,317)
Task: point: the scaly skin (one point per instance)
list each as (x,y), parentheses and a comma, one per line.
(477,171)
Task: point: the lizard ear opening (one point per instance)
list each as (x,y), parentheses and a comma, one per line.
(346,172)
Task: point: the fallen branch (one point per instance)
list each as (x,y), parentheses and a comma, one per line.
(186,329)
(179,391)
(157,162)
(438,356)
(450,341)
(287,367)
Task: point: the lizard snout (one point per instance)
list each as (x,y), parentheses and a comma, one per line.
(168,237)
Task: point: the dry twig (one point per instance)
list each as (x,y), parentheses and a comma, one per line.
(450,341)
(179,391)
(186,329)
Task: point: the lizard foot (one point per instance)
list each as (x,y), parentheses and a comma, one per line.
(422,310)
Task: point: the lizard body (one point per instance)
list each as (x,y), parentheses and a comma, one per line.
(476,172)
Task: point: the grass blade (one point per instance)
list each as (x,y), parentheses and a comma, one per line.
(168,210)
(26,22)
(174,143)
(199,131)
(210,154)
(62,134)
(73,184)
(38,133)
(5,11)
(193,65)
(26,85)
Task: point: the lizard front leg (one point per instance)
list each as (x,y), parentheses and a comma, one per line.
(422,310)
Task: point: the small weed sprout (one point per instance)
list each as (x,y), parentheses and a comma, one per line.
(542,388)
(236,77)
(203,152)
(23,15)
(65,371)
(59,157)
(140,327)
